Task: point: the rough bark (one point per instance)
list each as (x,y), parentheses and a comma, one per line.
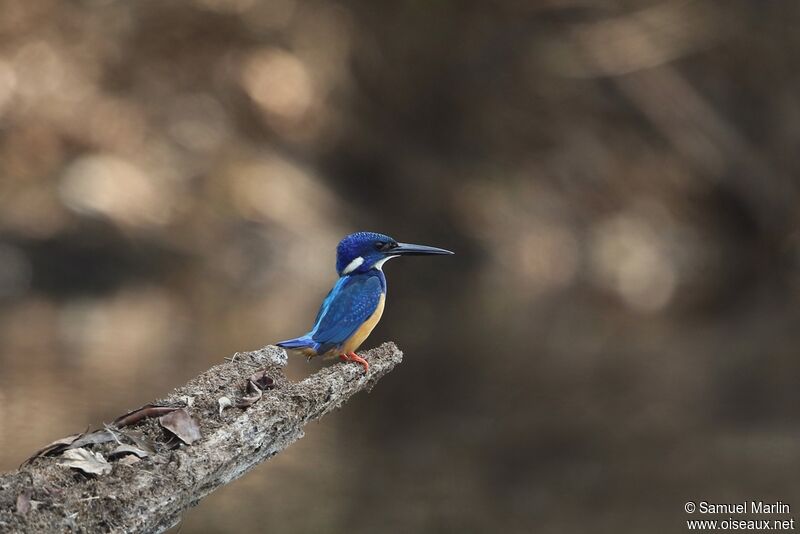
(150,495)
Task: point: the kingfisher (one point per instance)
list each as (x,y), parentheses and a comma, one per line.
(355,304)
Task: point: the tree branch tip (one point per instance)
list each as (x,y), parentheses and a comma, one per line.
(221,449)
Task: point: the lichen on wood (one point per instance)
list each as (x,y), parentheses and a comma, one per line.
(149,494)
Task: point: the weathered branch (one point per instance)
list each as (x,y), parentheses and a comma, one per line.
(150,495)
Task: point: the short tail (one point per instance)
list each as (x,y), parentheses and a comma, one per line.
(299,343)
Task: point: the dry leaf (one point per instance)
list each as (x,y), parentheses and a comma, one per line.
(54,448)
(72,442)
(87,461)
(95,438)
(255,395)
(124,450)
(139,440)
(148,410)
(181,424)
(257,384)
(262,381)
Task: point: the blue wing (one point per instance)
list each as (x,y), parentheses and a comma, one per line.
(336,289)
(351,302)
(305,341)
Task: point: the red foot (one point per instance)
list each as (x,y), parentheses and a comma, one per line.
(353,357)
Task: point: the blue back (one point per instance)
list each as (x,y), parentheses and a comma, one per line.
(352,301)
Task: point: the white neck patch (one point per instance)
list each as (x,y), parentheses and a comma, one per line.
(379,264)
(353,265)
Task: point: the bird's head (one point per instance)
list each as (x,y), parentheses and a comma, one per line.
(362,251)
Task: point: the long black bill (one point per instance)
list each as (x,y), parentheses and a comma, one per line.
(408,249)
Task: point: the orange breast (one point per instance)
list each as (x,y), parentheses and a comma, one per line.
(360,335)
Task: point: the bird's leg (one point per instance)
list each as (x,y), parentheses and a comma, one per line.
(353,357)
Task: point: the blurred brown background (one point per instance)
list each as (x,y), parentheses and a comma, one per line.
(618,332)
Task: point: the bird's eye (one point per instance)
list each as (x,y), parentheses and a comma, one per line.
(383,246)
